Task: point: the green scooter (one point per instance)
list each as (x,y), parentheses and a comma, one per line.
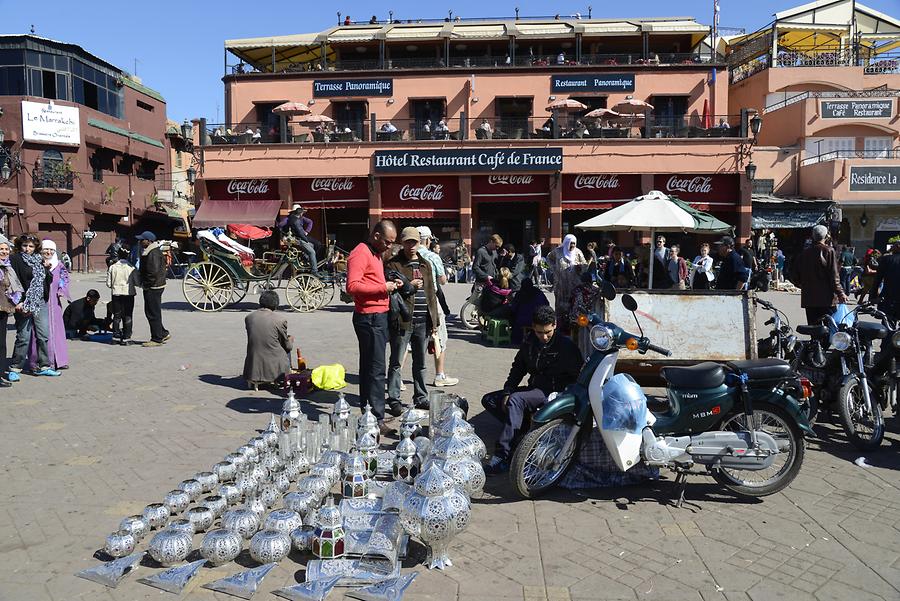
(745,421)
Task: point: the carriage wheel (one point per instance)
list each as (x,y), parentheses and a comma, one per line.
(304,292)
(241,287)
(207,286)
(327,295)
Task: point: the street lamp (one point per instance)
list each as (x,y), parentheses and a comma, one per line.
(5,171)
(755,124)
(187,130)
(751,171)
(2,136)
(191,175)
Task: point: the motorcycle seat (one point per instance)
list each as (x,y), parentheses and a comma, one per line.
(762,369)
(871,331)
(702,375)
(813,331)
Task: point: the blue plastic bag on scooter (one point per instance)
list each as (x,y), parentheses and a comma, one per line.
(843,314)
(624,405)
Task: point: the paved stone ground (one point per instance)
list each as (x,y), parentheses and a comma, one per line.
(124,425)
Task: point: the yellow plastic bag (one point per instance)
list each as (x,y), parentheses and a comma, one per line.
(329,377)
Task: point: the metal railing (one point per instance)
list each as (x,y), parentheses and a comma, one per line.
(52,179)
(835,155)
(813,56)
(888,62)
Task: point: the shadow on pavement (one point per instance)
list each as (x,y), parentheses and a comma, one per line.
(255,405)
(234,382)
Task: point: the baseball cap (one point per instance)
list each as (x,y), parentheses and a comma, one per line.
(425,232)
(726,241)
(409,233)
(148,236)
(297,206)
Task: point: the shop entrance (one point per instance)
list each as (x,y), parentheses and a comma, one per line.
(515,222)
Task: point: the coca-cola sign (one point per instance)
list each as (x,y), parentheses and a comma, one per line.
(433,192)
(721,188)
(243,189)
(510,180)
(596,182)
(332,184)
(698,184)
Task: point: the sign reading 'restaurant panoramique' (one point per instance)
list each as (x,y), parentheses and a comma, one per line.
(875,178)
(326,88)
(857,109)
(468,159)
(593,82)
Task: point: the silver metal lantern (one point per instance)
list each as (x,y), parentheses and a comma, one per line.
(156,515)
(216,503)
(177,501)
(283,520)
(367,445)
(269,546)
(135,525)
(119,543)
(328,538)
(231,492)
(169,547)
(303,502)
(220,546)
(409,423)
(406,464)
(453,456)
(356,477)
(368,424)
(242,520)
(201,517)
(317,485)
(225,471)
(207,480)
(435,512)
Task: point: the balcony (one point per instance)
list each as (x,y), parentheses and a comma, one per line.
(502,127)
(52,181)
(852,154)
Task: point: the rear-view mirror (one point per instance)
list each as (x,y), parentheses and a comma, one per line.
(629,302)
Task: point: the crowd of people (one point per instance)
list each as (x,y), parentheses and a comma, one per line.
(34,284)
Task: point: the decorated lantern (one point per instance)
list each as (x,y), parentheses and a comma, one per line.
(453,455)
(356,477)
(290,420)
(406,461)
(368,424)
(328,537)
(367,446)
(341,413)
(409,423)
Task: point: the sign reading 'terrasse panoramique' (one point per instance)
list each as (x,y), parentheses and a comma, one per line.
(875,179)
(593,82)
(857,109)
(468,159)
(325,88)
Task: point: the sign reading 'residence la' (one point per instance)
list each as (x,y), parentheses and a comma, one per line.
(325,88)
(870,178)
(468,159)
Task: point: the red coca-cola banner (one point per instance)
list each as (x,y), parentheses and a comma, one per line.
(586,188)
(242,189)
(512,186)
(330,190)
(431,193)
(716,189)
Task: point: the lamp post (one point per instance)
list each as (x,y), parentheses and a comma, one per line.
(755,125)
(751,171)
(191,175)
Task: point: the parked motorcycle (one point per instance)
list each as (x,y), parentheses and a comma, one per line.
(781,341)
(835,360)
(885,371)
(744,422)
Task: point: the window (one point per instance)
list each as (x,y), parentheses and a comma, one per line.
(877,148)
(96,167)
(147,170)
(12,81)
(842,147)
(145,106)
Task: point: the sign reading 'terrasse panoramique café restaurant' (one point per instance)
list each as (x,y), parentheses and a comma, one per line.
(857,109)
(325,88)
(875,179)
(502,160)
(593,82)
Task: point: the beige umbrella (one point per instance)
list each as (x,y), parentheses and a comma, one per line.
(291,108)
(602,113)
(632,107)
(315,120)
(566,104)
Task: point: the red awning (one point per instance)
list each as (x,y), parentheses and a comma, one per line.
(215,213)
(419,214)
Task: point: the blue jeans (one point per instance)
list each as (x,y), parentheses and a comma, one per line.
(38,323)
(310,252)
(417,337)
(372,334)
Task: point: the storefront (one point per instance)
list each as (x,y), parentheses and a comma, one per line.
(338,207)
(251,201)
(586,195)
(431,200)
(511,205)
(718,194)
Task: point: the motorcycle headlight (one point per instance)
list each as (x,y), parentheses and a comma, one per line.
(601,338)
(790,343)
(841,341)
(895,340)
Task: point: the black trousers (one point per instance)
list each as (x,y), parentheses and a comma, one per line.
(153,312)
(4,358)
(815,314)
(442,300)
(372,334)
(123,313)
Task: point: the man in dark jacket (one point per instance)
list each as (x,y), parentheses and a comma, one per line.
(153,281)
(733,273)
(424,318)
(300,227)
(515,262)
(79,316)
(888,278)
(485,263)
(816,272)
(551,361)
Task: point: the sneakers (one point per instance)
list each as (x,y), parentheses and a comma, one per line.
(167,337)
(46,371)
(445,380)
(4,383)
(13,376)
(15,370)
(496,465)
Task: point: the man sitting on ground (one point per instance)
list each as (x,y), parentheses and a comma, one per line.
(551,361)
(79,316)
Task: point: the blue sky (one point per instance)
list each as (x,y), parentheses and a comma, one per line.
(179,45)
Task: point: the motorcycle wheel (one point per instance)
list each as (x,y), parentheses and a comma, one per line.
(468,315)
(864,429)
(777,423)
(531,470)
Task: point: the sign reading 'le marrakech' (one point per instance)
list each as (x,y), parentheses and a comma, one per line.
(324,88)
(468,159)
(875,179)
(857,109)
(48,122)
(595,82)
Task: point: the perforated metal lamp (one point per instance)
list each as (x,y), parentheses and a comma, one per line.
(191,175)
(2,136)
(5,171)
(187,130)
(864,219)
(755,124)
(751,171)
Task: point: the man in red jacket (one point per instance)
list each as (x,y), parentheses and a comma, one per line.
(371,294)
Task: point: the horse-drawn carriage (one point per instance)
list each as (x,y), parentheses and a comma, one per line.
(229,270)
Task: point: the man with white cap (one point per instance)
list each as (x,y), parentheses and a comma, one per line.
(439,276)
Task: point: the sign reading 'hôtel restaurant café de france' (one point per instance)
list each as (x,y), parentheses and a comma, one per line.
(875,178)
(857,109)
(468,159)
(594,82)
(325,88)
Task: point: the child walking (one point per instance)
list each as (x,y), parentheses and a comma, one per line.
(122,278)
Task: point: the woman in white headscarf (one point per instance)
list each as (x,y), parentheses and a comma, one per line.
(566,262)
(59,289)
